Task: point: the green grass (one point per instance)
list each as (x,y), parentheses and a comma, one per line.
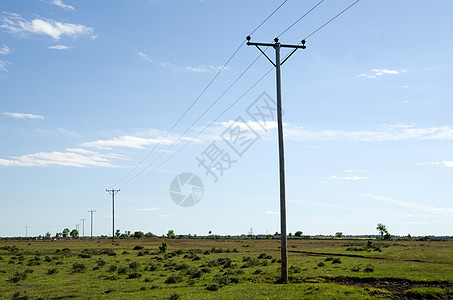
(225,269)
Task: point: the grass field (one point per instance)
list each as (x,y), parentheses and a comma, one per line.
(225,269)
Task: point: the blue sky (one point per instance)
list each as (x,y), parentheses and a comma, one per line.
(90,90)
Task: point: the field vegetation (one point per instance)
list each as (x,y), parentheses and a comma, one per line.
(205,268)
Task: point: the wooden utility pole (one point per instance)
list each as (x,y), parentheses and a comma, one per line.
(113,192)
(277,46)
(91,223)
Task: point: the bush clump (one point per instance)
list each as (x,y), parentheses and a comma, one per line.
(175,278)
(78,267)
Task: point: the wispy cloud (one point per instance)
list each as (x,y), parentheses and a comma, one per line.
(333,177)
(148,209)
(60,47)
(128,141)
(3,64)
(447,163)
(60,3)
(192,69)
(270,212)
(380,72)
(14,23)
(378,134)
(70,158)
(5,50)
(411,205)
(23,116)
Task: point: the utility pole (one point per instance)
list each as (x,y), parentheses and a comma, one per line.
(277,46)
(26,231)
(83,227)
(113,192)
(91,223)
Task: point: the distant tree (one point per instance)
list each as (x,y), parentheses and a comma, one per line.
(118,233)
(276,233)
(382,229)
(290,234)
(58,235)
(66,232)
(210,232)
(298,233)
(139,235)
(339,234)
(149,235)
(171,234)
(74,233)
(409,237)
(127,233)
(48,235)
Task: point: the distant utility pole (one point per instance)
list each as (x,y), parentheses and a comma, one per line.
(91,223)
(26,231)
(113,192)
(277,46)
(77,227)
(83,227)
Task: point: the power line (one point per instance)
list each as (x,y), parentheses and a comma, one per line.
(268,17)
(298,20)
(336,16)
(193,123)
(203,130)
(199,96)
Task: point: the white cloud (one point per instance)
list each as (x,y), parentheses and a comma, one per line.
(148,209)
(175,68)
(128,141)
(447,163)
(5,50)
(3,64)
(379,134)
(145,57)
(60,47)
(270,212)
(411,205)
(16,24)
(23,116)
(350,177)
(62,5)
(70,158)
(380,72)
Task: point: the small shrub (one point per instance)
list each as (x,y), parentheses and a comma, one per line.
(336,261)
(212,287)
(52,271)
(329,259)
(175,278)
(258,271)
(18,276)
(47,259)
(321,264)
(134,265)
(112,268)
(138,248)
(125,252)
(163,248)
(264,256)
(294,269)
(84,255)
(78,267)
(134,275)
(355,269)
(123,270)
(100,262)
(174,297)
(368,269)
